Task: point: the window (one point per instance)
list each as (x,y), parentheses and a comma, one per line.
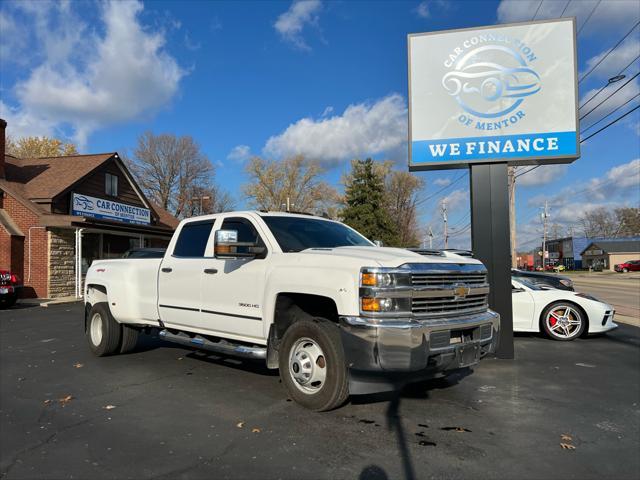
(246,232)
(111,184)
(295,234)
(193,239)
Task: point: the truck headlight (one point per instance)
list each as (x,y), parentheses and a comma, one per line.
(378,277)
(369,279)
(385,305)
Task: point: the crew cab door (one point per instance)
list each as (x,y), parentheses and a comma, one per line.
(180,276)
(232,288)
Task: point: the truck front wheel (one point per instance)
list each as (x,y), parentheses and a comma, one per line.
(102,331)
(312,364)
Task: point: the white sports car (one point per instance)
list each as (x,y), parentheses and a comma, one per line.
(561,314)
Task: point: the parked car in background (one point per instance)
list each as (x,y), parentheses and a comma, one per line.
(10,286)
(628,266)
(562,315)
(144,253)
(539,278)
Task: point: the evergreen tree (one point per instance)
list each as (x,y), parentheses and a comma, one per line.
(365,203)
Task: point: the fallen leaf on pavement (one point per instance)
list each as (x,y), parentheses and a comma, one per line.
(240,424)
(255,430)
(109,407)
(566,437)
(47,401)
(78,365)
(567,446)
(65,400)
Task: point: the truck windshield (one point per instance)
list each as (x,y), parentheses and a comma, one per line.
(295,234)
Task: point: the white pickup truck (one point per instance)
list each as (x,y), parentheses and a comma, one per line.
(336,314)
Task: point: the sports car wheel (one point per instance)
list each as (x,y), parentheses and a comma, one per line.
(563,321)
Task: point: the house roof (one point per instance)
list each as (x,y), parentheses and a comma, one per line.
(614,246)
(44,178)
(33,179)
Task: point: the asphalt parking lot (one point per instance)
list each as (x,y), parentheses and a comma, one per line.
(168,412)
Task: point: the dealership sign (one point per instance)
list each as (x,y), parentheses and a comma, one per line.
(87,206)
(504,93)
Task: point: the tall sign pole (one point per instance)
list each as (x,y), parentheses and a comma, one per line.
(486,99)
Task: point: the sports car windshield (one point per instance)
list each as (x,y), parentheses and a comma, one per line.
(295,234)
(527,283)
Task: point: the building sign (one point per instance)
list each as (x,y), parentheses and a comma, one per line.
(500,93)
(87,206)
(593,253)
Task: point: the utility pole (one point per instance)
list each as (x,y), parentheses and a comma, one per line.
(544,215)
(444,219)
(430,237)
(288,205)
(511,172)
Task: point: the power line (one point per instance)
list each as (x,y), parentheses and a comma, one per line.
(527,171)
(607,98)
(537,10)
(611,112)
(606,85)
(609,52)
(589,17)
(610,123)
(419,202)
(565,8)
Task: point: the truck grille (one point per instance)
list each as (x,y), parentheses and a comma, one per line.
(447,279)
(443,305)
(442,298)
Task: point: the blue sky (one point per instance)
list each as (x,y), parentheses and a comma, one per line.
(328,79)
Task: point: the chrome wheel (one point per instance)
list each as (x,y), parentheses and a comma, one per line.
(564,321)
(307,366)
(95,329)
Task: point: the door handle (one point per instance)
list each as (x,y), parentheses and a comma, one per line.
(211,270)
(167,269)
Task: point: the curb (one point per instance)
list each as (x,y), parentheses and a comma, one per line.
(45,302)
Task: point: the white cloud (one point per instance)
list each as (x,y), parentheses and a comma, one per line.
(541,175)
(423,10)
(442,182)
(291,23)
(239,153)
(614,61)
(363,129)
(611,15)
(87,81)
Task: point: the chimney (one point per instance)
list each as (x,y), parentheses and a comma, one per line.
(3,127)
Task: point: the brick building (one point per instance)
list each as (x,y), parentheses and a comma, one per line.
(59,214)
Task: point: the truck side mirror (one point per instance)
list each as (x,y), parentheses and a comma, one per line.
(226,245)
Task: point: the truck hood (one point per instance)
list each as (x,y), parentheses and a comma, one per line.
(384,256)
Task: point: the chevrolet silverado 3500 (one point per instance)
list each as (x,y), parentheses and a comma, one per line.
(336,314)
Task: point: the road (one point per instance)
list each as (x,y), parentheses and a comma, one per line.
(169,412)
(620,290)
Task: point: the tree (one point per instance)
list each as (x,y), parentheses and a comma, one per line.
(401,197)
(208,200)
(37,147)
(599,222)
(365,204)
(172,171)
(272,182)
(628,221)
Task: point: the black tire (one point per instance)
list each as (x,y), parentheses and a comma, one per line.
(129,338)
(107,340)
(552,326)
(8,301)
(334,390)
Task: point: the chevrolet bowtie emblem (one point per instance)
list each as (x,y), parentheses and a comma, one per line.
(460,291)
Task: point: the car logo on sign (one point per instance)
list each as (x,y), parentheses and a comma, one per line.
(460,291)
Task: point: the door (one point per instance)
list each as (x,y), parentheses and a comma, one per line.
(523,309)
(180,276)
(232,288)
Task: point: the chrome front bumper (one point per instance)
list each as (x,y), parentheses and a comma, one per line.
(381,354)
